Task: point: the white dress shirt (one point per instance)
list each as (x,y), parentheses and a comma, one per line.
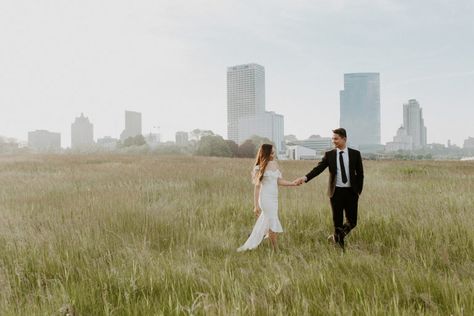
(345,157)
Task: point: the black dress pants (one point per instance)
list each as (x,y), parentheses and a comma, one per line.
(344,201)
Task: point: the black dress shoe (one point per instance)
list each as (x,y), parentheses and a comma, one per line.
(339,238)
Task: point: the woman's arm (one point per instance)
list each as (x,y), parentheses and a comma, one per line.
(282,181)
(256,193)
(286,183)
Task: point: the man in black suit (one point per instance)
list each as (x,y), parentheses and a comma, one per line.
(346,178)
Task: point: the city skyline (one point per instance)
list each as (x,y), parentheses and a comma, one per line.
(164,58)
(128,123)
(411,135)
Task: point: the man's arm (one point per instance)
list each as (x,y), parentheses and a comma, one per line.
(323,164)
(360,173)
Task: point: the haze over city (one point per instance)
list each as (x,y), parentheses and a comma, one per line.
(168,60)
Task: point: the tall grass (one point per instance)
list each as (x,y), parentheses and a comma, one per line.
(145,235)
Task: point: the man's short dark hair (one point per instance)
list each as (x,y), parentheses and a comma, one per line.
(340,131)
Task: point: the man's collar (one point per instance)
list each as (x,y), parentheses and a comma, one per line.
(339,150)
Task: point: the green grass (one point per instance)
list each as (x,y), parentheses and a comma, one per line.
(146,235)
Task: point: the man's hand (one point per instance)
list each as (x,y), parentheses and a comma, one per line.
(299,181)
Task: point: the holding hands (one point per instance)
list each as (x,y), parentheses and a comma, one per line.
(299,181)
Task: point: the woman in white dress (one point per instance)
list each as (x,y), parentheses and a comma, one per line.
(266,178)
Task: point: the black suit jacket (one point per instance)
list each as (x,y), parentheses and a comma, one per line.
(356,170)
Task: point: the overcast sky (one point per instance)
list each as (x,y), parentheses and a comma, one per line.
(168,60)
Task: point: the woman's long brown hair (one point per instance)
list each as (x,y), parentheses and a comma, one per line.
(263,157)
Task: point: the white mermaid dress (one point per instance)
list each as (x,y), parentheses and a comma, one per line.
(268,202)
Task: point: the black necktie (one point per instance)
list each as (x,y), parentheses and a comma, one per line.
(343,170)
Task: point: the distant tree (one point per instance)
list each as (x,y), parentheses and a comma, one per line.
(197,133)
(234,148)
(257,140)
(138,140)
(247,150)
(213,145)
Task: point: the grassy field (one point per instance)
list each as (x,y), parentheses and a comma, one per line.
(147,235)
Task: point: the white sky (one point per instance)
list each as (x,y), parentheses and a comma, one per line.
(168,60)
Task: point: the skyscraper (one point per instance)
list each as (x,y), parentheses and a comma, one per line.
(414,123)
(133,125)
(469,143)
(82,133)
(360,108)
(245,95)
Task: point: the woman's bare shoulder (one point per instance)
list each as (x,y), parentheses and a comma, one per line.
(273,165)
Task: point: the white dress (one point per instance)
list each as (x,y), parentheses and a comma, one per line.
(268,202)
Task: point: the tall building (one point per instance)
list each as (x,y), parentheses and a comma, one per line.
(44,141)
(267,124)
(414,124)
(181,138)
(82,133)
(360,109)
(133,125)
(245,95)
(246,115)
(402,141)
(469,143)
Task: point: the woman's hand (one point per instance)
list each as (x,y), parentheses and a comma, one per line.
(257,211)
(283,182)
